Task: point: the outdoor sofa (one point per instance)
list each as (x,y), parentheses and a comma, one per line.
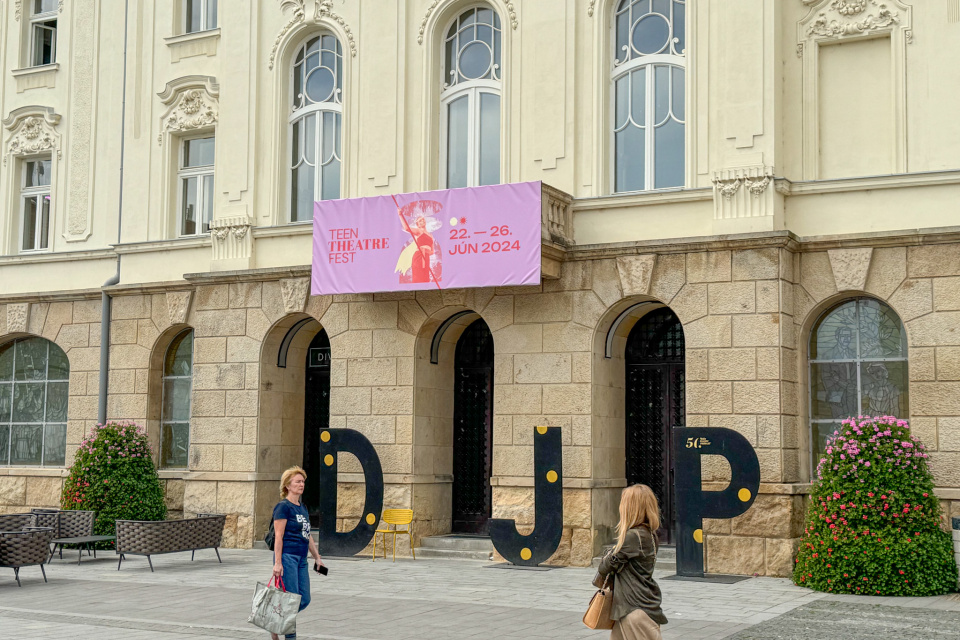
(149,538)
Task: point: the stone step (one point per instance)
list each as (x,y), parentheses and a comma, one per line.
(457,543)
(666,557)
(454,554)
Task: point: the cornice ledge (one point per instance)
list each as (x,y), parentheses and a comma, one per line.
(52,296)
(892,181)
(249,275)
(627,200)
(780,239)
(146,288)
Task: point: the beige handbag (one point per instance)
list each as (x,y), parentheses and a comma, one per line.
(601,604)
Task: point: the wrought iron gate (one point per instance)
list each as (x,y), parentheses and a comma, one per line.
(316,418)
(472,429)
(655,382)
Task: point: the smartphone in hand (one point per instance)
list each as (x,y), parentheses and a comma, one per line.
(320,568)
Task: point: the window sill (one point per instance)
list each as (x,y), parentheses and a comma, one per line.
(40,472)
(304,228)
(188,45)
(53,256)
(641,198)
(43,76)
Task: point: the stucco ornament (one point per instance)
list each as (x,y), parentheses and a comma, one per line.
(294,292)
(194,109)
(298,16)
(843,18)
(511,13)
(33,130)
(325,10)
(756,186)
(728,188)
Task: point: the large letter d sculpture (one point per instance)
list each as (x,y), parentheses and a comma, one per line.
(332,442)
(532,549)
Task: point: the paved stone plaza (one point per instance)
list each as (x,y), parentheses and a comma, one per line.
(424,599)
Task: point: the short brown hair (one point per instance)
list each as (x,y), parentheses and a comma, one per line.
(287,478)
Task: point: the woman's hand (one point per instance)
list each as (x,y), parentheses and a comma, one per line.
(278,570)
(318,559)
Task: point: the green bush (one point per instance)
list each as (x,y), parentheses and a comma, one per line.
(113,474)
(873,526)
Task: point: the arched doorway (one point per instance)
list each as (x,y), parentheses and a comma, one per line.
(472,429)
(316,418)
(655,382)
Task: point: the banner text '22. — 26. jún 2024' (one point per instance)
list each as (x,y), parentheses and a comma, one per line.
(456,238)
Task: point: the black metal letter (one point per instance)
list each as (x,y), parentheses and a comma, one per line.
(532,549)
(693,503)
(348,543)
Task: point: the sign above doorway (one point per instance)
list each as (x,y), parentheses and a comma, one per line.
(456,238)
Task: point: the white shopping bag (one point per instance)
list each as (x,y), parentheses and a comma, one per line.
(274,610)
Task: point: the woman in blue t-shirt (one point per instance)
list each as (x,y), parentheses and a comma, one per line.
(291,526)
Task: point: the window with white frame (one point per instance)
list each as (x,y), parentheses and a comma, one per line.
(196,185)
(315,125)
(199,15)
(175,410)
(43,32)
(647,75)
(470,100)
(35,205)
(34,392)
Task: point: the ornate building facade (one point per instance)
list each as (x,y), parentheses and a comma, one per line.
(749,221)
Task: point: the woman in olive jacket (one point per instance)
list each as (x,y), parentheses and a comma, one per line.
(636,595)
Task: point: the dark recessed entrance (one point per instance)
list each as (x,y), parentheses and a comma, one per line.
(472,429)
(654,405)
(316,418)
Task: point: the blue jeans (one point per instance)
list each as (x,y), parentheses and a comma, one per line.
(296,579)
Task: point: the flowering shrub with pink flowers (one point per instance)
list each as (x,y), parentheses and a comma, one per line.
(874,523)
(113,474)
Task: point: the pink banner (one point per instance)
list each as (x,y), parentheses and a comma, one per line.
(473,237)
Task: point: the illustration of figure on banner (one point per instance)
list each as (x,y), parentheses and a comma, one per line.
(420,258)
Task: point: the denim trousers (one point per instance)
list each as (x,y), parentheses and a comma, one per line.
(296,579)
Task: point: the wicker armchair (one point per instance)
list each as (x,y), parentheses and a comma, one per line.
(147,538)
(25,548)
(17,521)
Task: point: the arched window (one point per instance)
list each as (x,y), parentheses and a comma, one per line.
(648,94)
(858,366)
(470,100)
(34,389)
(315,125)
(175,411)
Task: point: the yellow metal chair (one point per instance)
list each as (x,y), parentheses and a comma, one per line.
(394,517)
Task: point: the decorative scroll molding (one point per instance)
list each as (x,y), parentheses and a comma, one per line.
(192,103)
(325,10)
(178,306)
(591,7)
(232,242)
(299,13)
(294,292)
(832,19)
(18,317)
(32,130)
(511,12)
(754,199)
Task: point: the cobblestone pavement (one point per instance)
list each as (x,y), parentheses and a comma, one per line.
(362,600)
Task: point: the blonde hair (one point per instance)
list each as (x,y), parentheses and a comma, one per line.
(638,506)
(287,478)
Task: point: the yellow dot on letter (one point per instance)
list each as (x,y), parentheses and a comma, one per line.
(371,518)
(328,460)
(698,535)
(525,553)
(744,495)
(325,436)
(542,430)
(551,476)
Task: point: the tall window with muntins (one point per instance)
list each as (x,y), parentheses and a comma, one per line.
(196,185)
(649,62)
(199,15)
(858,366)
(470,100)
(175,411)
(43,32)
(316,125)
(35,205)
(34,389)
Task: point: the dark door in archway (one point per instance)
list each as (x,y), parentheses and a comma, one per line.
(316,418)
(472,430)
(655,381)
